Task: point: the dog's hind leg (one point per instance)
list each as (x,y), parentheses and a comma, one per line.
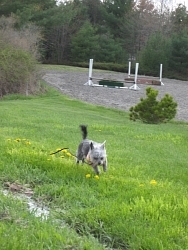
(79,153)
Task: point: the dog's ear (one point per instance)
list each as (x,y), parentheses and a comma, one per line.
(103,144)
(91,145)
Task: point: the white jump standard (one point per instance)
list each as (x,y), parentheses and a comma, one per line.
(135,86)
(135,79)
(145,79)
(90,73)
(90,78)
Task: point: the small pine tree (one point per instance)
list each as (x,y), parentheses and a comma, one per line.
(149,110)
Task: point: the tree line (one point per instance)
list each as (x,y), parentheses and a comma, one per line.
(115,32)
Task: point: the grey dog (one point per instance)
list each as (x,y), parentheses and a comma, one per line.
(93,152)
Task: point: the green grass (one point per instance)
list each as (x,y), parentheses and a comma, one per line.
(123,209)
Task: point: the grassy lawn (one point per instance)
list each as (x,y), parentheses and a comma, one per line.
(140,203)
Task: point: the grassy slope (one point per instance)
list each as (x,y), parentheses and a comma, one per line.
(120,209)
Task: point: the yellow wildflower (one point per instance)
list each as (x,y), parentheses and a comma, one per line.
(8,139)
(64,150)
(153,182)
(96,177)
(88,175)
(68,154)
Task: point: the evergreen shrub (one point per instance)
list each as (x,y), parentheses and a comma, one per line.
(152,111)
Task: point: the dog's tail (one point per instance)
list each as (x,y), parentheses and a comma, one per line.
(84,131)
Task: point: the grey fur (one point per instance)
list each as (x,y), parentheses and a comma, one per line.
(93,152)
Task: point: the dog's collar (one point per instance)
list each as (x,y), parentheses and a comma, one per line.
(89,162)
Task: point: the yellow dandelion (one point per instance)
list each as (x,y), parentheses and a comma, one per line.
(18,140)
(96,177)
(28,143)
(153,182)
(68,154)
(88,175)
(64,150)
(62,156)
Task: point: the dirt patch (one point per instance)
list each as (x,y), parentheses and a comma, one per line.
(72,84)
(25,194)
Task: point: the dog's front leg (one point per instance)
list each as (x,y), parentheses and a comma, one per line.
(104,165)
(96,169)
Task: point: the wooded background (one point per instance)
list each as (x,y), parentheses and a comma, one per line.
(108,31)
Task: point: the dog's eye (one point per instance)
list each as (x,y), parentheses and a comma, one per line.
(101,158)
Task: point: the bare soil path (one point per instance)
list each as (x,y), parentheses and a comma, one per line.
(71,83)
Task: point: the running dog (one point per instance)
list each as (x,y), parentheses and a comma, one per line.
(93,152)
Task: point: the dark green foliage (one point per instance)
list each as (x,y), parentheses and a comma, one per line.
(94,10)
(156,51)
(110,50)
(179,18)
(152,111)
(59,29)
(114,13)
(85,43)
(178,61)
(20,6)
